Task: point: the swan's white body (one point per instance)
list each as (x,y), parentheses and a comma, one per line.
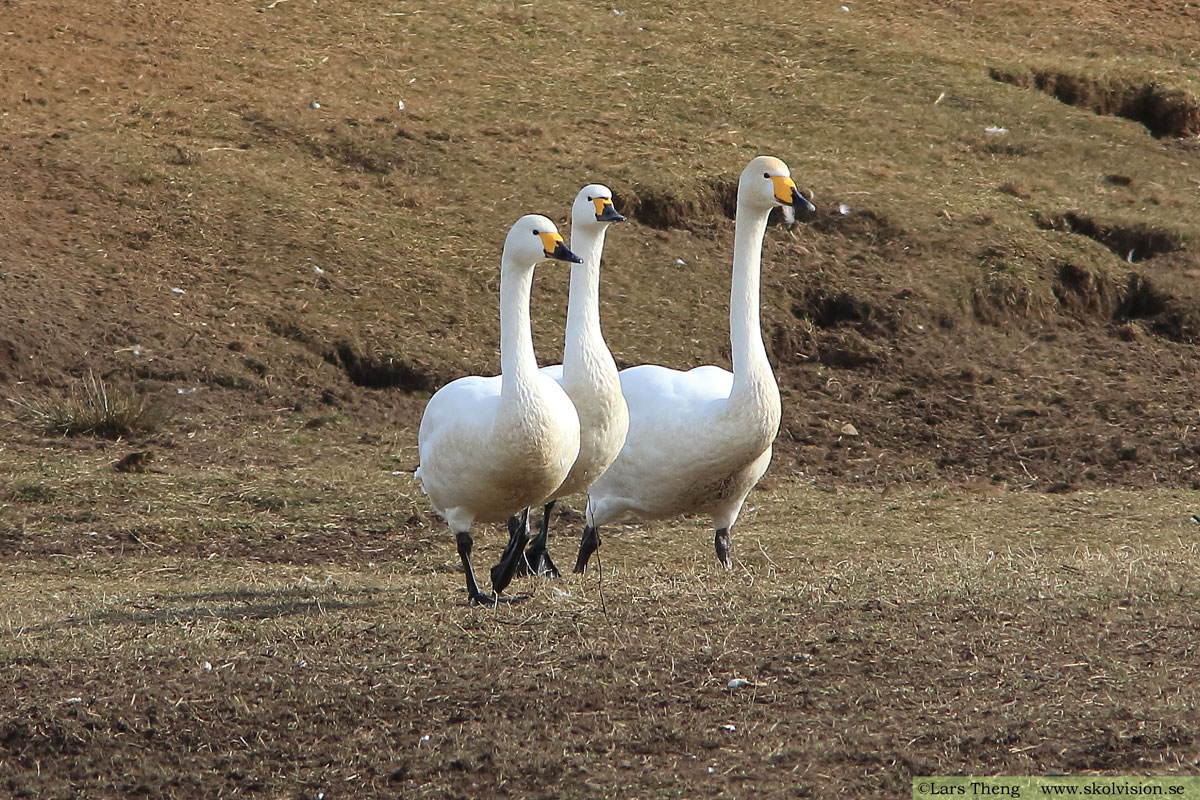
(700,440)
(588,373)
(695,445)
(485,457)
(490,447)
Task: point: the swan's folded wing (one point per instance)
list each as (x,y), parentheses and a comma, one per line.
(554,371)
(462,400)
(460,395)
(649,389)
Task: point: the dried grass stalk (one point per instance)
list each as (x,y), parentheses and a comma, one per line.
(91,409)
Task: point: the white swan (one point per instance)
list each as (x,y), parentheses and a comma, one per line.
(588,372)
(490,447)
(699,440)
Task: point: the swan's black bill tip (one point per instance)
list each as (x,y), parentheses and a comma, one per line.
(561,253)
(609,215)
(801,203)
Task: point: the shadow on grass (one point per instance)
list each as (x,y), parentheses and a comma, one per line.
(227,605)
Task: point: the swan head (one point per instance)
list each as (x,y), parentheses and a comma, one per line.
(594,206)
(766,182)
(535,238)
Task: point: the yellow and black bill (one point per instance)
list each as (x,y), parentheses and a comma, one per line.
(787,194)
(553,247)
(606,211)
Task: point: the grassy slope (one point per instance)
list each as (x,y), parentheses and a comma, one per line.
(175,147)
(509,110)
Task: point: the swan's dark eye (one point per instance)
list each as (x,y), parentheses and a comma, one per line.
(591,199)
(766,174)
(536,232)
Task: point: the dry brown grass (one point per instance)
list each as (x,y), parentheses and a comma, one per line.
(90,408)
(880,635)
(877,636)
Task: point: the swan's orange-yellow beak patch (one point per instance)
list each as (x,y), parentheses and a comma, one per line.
(784,187)
(550,241)
(600,203)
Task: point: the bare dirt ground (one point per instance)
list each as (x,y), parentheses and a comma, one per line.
(280,221)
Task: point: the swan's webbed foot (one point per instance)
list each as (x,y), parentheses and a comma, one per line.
(537,556)
(514,551)
(481,599)
(587,545)
(722,545)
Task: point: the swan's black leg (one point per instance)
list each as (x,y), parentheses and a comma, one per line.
(514,552)
(722,544)
(537,557)
(474,596)
(515,523)
(587,546)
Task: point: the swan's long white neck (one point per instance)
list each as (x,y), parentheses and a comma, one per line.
(583,303)
(517,361)
(751,369)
